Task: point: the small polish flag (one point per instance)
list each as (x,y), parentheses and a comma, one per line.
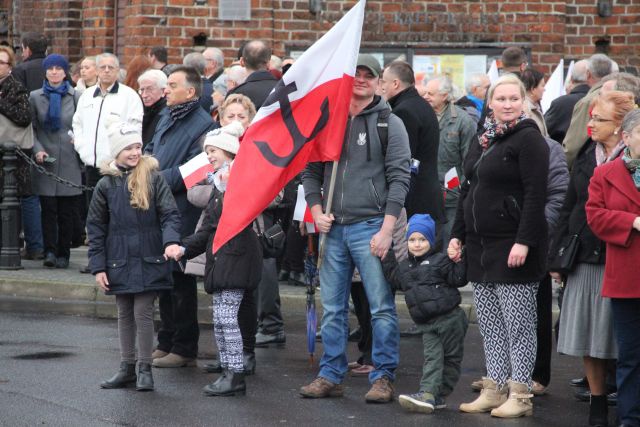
(195,170)
(451,179)
(303,213)
(493,72)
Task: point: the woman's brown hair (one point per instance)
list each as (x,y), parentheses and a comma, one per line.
(10,54)
(135,68)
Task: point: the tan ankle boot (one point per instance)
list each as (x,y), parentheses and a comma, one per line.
(519,402)
(490,397)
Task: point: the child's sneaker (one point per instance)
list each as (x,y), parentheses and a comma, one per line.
(418,402)
(440,402)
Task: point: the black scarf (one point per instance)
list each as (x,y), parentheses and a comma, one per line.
(179,111)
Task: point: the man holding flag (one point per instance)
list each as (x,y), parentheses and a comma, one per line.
(371,186)
(304,119)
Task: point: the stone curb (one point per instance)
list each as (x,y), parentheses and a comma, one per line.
(85,299)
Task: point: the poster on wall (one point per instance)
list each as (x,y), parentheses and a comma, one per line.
(426,66)
(457,67)
(452,66)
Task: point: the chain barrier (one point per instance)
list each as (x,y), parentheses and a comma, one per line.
(51,175)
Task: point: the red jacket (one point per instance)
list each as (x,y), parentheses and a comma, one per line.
(613,205)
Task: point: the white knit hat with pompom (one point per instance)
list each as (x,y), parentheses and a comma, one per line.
(121,135)
(226,138)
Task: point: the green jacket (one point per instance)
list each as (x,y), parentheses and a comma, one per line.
(457,131)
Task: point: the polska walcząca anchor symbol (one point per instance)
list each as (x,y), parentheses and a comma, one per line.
(281,94)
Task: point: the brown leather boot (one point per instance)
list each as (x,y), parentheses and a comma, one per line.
(321,387)
(490,397)
(519,402)
(381,391)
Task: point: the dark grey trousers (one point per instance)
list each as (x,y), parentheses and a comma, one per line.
(268,293)
(135,317)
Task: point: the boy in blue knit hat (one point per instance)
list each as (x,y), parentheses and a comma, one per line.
(430,280)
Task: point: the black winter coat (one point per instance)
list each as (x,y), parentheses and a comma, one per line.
(127,243)
(591,250)
(501,203)
(150,120)
(237,264)
(429,283)
(257,87)
(558,117)
(30,72)
(421,122)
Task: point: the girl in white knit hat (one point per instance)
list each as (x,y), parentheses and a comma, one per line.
(132,219)
(235,269)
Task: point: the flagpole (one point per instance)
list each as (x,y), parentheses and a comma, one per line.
(323,236)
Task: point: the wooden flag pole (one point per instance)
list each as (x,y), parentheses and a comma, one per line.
(323,236)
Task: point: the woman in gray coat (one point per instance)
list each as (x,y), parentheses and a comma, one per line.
(52,109)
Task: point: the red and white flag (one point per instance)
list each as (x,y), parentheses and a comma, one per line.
(195,170)
(303,120)
(451,179)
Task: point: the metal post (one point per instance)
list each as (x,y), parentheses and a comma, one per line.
(10,211)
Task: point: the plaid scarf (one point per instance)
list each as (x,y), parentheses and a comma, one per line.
(179,111)
(632,166)
(494,130)
(601,153)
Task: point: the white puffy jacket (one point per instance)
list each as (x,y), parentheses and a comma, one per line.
(93,111)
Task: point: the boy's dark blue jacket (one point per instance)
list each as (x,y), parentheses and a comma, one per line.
(429,283)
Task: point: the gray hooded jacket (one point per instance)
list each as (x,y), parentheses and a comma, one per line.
(369,183)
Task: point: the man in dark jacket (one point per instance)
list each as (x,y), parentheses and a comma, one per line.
(30,72)
(457,131)
(422,127)
(558,117)
(177,140)
(255,58)
(151,89)
(259,83)
(198,61)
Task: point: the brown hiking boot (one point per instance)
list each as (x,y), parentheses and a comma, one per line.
(381,391)
(321,387)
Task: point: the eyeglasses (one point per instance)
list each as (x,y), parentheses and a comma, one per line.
(597,119)
(142,90)
(5,63)
(107,67)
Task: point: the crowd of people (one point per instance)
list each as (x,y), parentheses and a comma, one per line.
(542,196)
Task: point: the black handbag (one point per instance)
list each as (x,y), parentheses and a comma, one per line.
(564,260)
(272,240)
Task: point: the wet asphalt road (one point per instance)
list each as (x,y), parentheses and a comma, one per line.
(51,365)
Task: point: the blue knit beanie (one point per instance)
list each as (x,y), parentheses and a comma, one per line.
(423,224)
(55,59)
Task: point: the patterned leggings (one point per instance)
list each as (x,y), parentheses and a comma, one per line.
(226,329)
(507,320)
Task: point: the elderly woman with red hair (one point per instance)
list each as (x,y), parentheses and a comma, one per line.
(613,211)
(586,328)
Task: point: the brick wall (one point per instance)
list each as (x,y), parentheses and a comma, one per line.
(550,28)
(621,31)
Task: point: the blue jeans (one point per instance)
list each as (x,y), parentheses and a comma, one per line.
(31,223)
(626,322)
(347,246)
